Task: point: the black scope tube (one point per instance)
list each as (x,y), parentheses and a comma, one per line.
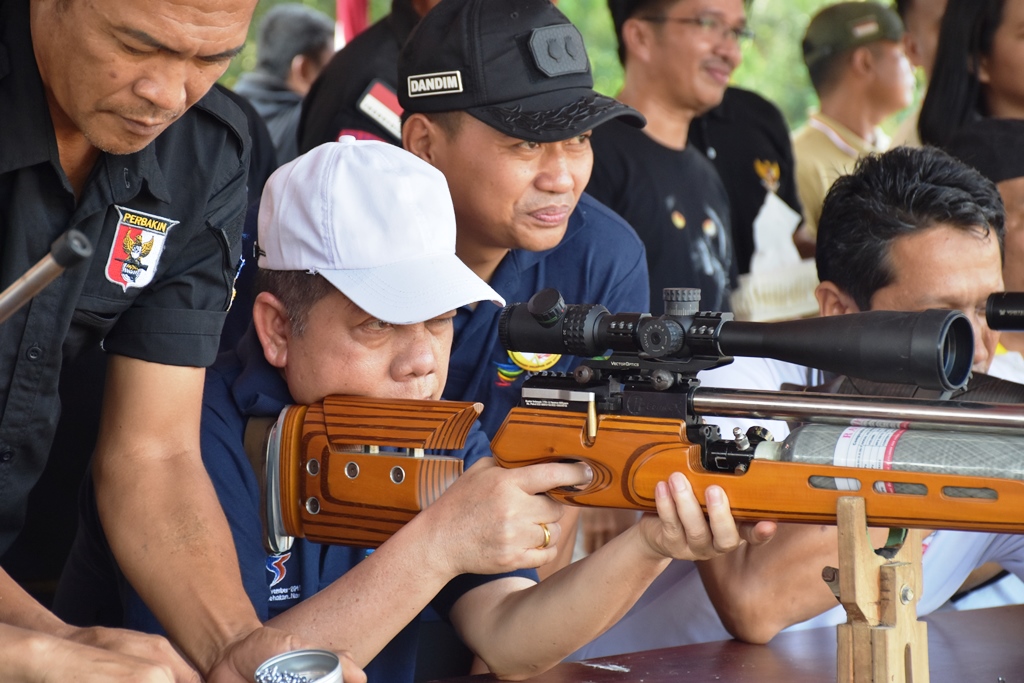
(933,349)
(1005,311)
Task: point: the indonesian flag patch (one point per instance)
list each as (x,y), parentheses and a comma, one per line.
(138,243)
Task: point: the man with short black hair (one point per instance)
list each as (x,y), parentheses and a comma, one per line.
(910,229)
(293,45)
(855,59)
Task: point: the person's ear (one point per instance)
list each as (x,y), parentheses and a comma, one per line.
(273,328)
(637,37)
(420,136)
(834,301)
(862,61)
(301,74)
(981,69)
(911,49)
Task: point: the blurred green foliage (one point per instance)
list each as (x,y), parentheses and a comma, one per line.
(772,64)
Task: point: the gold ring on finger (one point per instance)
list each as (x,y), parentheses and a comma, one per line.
(547,537)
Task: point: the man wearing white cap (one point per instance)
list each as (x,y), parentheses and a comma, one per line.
(358,285)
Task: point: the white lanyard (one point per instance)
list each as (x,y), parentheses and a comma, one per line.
(836,139)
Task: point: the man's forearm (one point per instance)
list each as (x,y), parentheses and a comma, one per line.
(552,619)
(177,550)
(760,590)
(402,574)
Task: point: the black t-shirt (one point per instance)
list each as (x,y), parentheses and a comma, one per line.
(331,107)
(676,203)
(747,140)
(164,223)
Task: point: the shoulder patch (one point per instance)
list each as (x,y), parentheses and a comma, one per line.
(380,104)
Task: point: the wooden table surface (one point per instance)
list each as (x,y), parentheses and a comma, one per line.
(976,646)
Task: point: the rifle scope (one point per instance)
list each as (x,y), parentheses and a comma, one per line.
(933,349)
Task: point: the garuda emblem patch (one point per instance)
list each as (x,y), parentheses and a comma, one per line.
(138,244)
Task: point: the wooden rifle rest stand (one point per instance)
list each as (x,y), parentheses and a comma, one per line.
(882,640)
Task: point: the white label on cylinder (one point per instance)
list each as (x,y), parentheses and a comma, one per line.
(865,447)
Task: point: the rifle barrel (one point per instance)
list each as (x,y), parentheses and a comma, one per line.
(992,418)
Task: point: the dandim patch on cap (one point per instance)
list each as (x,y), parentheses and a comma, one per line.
(374,220)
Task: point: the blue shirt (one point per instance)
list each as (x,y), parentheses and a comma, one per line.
(599,261)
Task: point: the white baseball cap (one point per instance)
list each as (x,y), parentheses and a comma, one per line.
(377,222)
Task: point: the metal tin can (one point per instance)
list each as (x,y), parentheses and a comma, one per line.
(301,666)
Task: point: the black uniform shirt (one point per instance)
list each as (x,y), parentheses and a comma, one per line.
(752,153)
(168,217)
(676,203)
(331,105)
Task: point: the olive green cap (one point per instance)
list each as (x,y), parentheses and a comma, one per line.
(847,25)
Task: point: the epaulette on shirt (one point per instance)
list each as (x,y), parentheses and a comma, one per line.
(217,104)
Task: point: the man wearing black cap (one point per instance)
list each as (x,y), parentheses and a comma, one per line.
(678,57)
(499,96)
(854,55)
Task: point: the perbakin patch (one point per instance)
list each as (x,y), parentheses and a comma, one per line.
(440,83)
(138,243)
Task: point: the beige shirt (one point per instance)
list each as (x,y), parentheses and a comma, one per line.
(825,149)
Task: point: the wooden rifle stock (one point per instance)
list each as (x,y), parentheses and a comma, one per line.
(630,455)
(327,480)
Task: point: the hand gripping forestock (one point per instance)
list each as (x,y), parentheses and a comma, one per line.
(352,471)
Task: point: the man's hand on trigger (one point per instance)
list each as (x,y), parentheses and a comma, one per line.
(681,531)
(492,520)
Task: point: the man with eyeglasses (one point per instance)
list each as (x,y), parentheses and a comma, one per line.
(678,57)
(854,56)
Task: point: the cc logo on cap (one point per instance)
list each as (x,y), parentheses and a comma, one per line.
(558,50)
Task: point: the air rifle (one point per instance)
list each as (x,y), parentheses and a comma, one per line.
(353,470)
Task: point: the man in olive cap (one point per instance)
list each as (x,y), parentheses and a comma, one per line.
(854,55)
